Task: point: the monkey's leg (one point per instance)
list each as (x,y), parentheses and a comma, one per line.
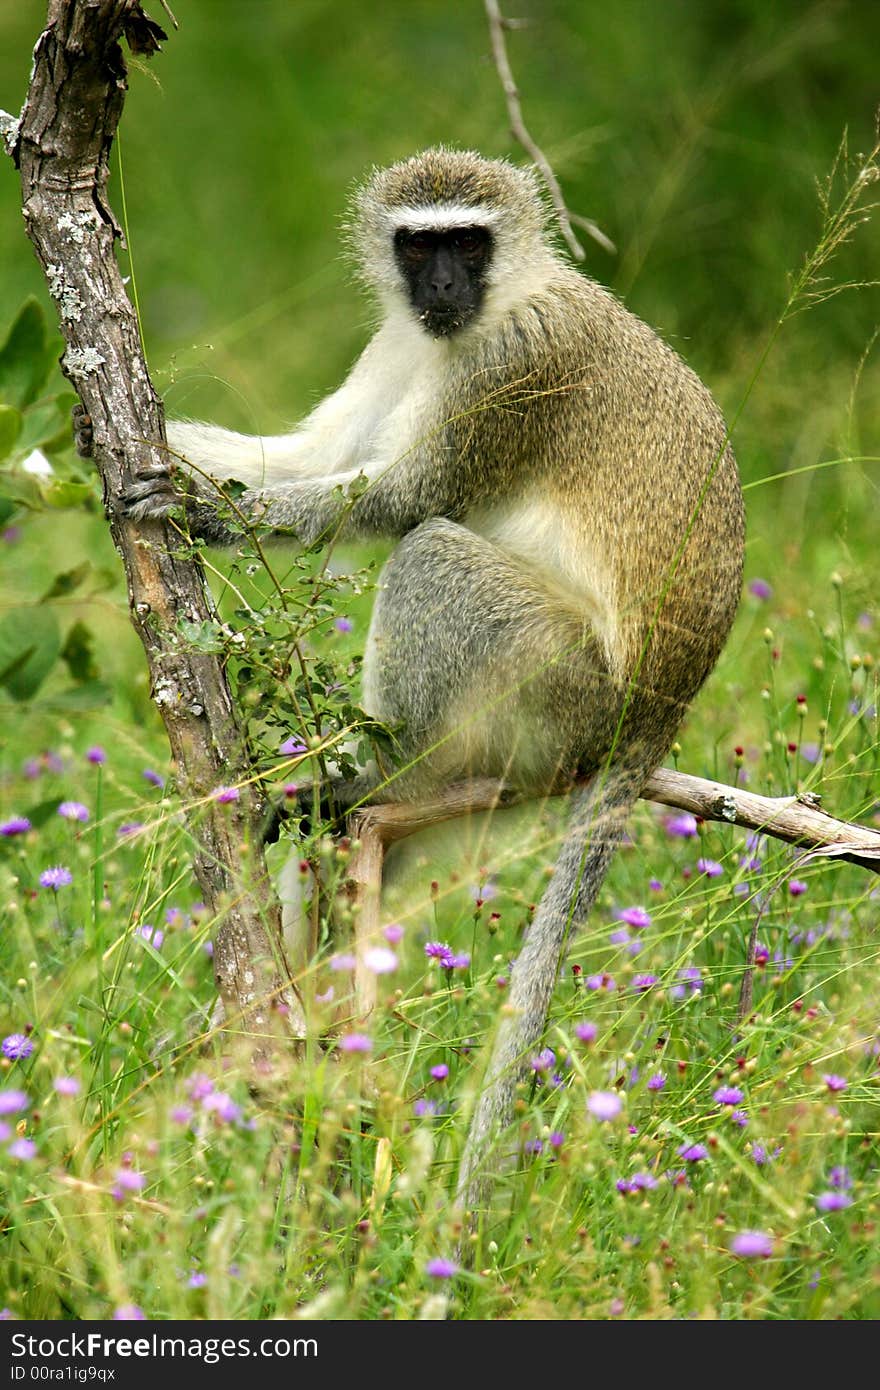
(486,672)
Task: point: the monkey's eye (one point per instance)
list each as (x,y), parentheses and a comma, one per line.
(468,242)
(417,246)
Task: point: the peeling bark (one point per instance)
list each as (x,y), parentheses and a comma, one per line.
(62,146)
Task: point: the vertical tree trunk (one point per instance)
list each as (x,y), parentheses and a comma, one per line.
(62,146)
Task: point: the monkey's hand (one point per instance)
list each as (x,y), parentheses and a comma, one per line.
(161,490)
(83,436)
(312,510)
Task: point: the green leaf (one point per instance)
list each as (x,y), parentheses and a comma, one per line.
(64,584)
(44,810)
(10,429)
(22,488)
(27,357)
(78,652)
(90,695)
(30,644)
(62,493)
(47,424)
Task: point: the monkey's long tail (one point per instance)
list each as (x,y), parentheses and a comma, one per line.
(599,815)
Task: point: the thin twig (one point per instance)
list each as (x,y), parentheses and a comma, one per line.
(497,25)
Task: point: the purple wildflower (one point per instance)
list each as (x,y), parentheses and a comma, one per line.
(740,1118)
(635,917)
(129,1312)
(438,950)
(223,1106)
(55,878)
(127,1180)
(129,827)
(727,1095)
(66,1085)
(439,1268)
(96,755)
(655,885)
(533,1146)
(197,1279)
(833,1201)
(200,1086)
(154,778)
(796,887)
(683,825)
(600,982)
(13,1101)
(556,1139)
(656,1082)
(22,1148)
(759,588)
(440,1071)
(17,1047)
(641,983)
(710,867)
(604,1105)
(835,1083)
(225,794)
(16,825)
(840,1178)
(423,1106)
(544,1061)
(181,1114)
(693,1153)
(343,624)
(154,935)
(690,981)
(762,1155)
(344,960)
(381,960)
(461,961)
(73,810)
(585,1031)
(750,1245)
(619,937)
(639,1182)
(393,933)
(355,1042)
(293,747)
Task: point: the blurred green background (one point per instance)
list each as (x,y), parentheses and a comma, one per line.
(694,134)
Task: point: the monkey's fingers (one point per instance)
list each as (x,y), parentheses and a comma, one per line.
(152,496)
(83,436)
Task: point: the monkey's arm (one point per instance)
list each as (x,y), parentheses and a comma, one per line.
(332,439)
(378,500)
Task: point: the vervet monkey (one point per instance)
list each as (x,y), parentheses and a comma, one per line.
(570,528)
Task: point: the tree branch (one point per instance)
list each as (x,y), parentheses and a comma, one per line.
(497,25)
(795,819)
(62,146)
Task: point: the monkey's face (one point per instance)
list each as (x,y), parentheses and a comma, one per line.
(444,273)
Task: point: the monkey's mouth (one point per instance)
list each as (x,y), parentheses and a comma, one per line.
(441,321)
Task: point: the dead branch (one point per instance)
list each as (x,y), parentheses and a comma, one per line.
(497,25)
(62,146)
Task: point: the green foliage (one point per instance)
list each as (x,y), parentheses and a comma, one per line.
(35,424)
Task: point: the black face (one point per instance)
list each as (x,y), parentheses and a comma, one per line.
(445,274)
